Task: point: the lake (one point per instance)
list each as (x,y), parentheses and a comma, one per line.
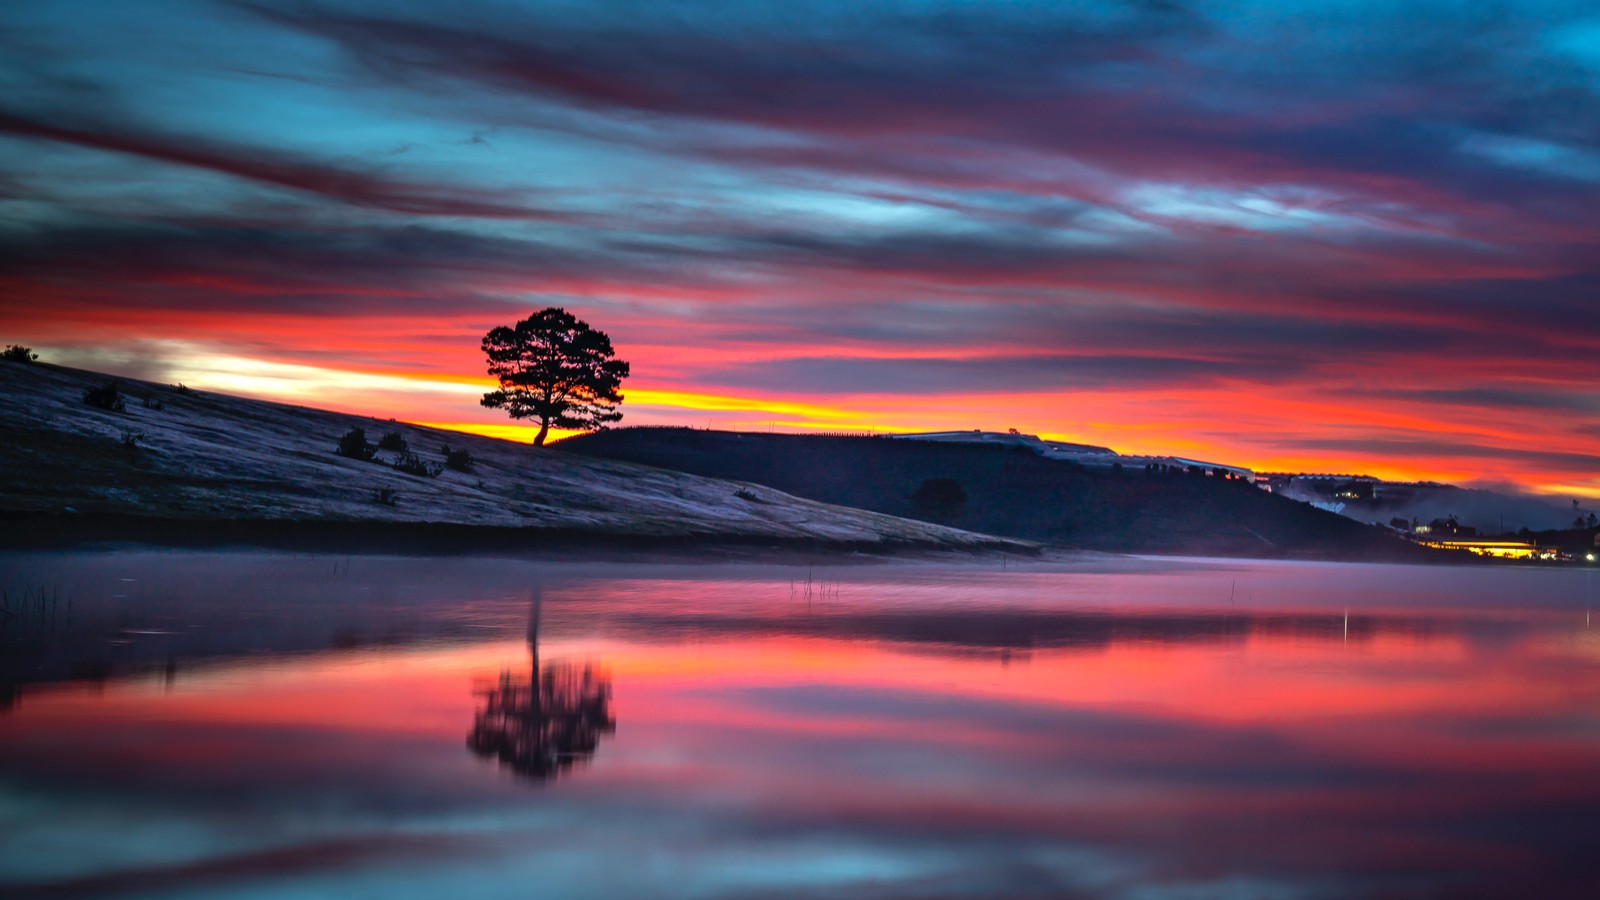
(255,725)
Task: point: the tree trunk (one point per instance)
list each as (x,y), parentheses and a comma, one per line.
(544,429)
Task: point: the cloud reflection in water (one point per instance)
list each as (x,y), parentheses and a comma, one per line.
(1153,737)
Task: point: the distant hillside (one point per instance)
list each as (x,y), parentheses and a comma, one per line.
(1490,512)
(1013,492)
(200,463)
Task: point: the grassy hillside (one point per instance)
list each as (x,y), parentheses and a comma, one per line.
(1012,492)
(216,461)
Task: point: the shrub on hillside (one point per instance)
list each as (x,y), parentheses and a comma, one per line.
(386,496)
(460,460)
(412,464)
(18,353)
(393,440)
(354,445)
(107,396)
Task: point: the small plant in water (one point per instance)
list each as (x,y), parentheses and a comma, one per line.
(107,397)
(33,613)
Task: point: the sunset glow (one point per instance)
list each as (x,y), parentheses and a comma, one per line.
(1302,237)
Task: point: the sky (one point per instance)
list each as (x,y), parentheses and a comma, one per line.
(1302,236)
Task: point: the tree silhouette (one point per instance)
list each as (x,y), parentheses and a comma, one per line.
(553,367)
(539,727)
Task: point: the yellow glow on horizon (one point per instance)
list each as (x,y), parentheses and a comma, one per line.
(1169,424)
(724,403)
(245,375)
(522,434)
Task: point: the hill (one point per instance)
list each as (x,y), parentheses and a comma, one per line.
(1013,492)
(193,464)
(1490,512)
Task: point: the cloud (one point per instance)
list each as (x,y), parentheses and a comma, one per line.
(1372,105)
(1551,398)
(402,269)
(1269,235)
(1452,449)
(367,188)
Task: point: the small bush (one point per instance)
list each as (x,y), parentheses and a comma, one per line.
(412,464)
(386,496)
(393,440)
(107,396)
(181,388)
(18,353)
(131,439)
(745,494)
(354,445)
(460,460)
(153,403)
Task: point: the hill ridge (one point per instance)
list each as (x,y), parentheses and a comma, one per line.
(1014,492)
(177,455)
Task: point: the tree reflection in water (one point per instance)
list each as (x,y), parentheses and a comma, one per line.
(542,725)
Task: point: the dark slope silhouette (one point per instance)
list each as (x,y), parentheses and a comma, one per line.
(1013,492)
(181,465)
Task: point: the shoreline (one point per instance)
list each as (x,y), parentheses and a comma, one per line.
(48,532)
(45,532)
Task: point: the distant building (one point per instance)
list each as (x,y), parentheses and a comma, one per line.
(1319,487)
(1448,528)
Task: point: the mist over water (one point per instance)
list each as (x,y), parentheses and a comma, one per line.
(267,725)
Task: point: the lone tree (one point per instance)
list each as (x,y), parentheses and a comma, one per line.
(553,367)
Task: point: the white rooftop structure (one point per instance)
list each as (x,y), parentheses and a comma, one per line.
(1084,454)
(1053,449)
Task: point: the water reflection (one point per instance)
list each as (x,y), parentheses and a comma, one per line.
(1001,630)
(1149,737)
(540,726)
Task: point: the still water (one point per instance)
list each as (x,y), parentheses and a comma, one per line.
(267,725)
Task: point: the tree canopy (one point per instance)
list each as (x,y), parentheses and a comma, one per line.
(553,367)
